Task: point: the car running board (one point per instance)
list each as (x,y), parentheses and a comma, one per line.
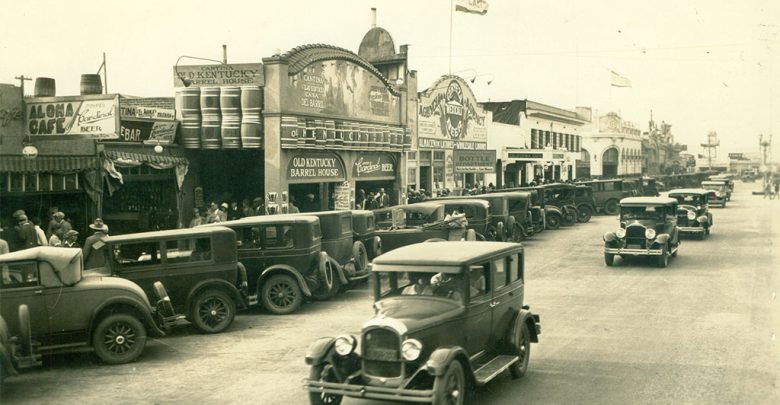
(493,368)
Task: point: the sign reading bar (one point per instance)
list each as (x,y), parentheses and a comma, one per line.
(313,167)
(236,74)
(374,166)
(474,161)
(96,118)
(147,131)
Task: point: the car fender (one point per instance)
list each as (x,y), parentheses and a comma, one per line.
(524,317)
(376,246)
(662,238)
(552,209)
(134,303)
(441,358)
(318,350)
(289,270)
(339,269)
(216,283)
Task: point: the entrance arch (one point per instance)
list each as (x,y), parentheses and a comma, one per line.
(583,164)
(609,163)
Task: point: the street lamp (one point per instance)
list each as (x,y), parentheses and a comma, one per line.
(187,82)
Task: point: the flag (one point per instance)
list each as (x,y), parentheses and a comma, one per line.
(472,6)
(618,80)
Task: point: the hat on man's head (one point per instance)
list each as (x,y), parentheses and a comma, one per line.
(310,195)
(18,213)
(59,215)
(98,225)
(224,205)
(71,233)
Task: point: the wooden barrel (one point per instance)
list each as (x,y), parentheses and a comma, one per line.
(190,117)
(211,122)
(321,136)
(330,133)
(251,122)
(45,87)
(340,134)
(91,84)
(289,132)
(386,133)
(230,107)
(302,128)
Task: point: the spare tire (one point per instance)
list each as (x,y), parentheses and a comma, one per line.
(376,247)
(325,277)
(360,255)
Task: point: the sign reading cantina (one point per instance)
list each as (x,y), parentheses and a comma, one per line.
(449,117)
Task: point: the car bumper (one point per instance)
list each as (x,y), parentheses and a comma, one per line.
(691,229)
(368,391)
(634,252)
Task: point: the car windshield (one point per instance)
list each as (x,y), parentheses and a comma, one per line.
(688,199)
(649,212)
(409,284)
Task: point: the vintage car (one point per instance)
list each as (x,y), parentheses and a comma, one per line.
(728,179)
(586,204)
(520,215)
(50,306)
(477,213)
(198,266)
(720,192)
(607,194)
(403,225)
(536,207)
(364,231)
(648,228)
(693,215)
(284,260)
(560,196)
(449,316)
(500,222)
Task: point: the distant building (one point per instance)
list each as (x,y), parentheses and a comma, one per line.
(611,147)
(661,155)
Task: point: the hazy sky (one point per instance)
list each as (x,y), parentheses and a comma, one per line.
(699,65)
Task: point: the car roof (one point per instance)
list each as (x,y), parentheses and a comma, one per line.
(424,206)
(57,256)
(695,191)
(462,201)
(636,201)
(714,182)
(185,232)
(557,185)
(362,212)
(267,219)
(600,181)
(456,253)
(517,193)
(332,213)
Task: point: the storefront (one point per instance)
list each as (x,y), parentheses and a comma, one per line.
(333,125)
(450,120)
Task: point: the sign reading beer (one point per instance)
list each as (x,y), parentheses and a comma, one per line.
(474,161)
(312,167)
(236,74)
(374,166)
(150,132)
(449,118)
(341,89)
(96,118)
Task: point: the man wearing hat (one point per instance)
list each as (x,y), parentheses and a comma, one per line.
(223,212)
(71,239)
(258,209)
(59,223)
(95,246)
(25,231)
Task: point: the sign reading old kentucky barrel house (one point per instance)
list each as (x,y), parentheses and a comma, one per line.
(449,117)
(234,74)
(312,167)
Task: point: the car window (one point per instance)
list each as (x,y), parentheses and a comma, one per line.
(19,275)
(609,186)
(500,274)
(478,282)
(130,255)
(248,237)
(512,264)
(316,231)
(369,223)
(278,236)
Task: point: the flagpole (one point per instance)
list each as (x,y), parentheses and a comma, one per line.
(452,5)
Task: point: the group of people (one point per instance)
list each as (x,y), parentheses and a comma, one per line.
(26,233)
(372,200)
(228,211)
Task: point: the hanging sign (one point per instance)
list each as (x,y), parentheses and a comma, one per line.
(372,166)
(96,118)
(317,166)
(341,198)
(474,161)
(150,132)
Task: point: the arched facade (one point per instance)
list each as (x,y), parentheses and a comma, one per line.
(609,162)
(583,164)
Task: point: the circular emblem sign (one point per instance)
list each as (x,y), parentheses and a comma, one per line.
(454,114)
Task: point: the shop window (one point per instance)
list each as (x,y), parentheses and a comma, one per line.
(412,177)
(19,275)
(425,156)
(438,175)
(411,155)
(38,182)
(133,255)
(438,156)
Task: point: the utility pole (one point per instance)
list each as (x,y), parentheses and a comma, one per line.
(22,79)
(765,144)
(711,146)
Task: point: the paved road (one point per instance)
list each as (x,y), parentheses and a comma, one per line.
(698,332)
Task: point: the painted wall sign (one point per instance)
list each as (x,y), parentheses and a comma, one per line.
(437,143)
(311,167)
(151,113)
(373,166)
(150,132)
(96,118)
(341,89)
(342,196)
(448,110)
(236,74)
(522,155)
(474,161)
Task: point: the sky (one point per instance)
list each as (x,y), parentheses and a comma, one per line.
(700,65)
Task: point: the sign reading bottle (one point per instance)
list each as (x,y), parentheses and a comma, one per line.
(449,117)
(474,161)
(315,166)
(96,118)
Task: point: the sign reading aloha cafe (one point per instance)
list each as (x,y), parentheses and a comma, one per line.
(449,117)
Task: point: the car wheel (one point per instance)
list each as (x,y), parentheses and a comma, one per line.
(707,230)
(360,255)
(281,295)
(326,278)
(523,350)
(553,221)
(25,329)
(450,388)
(663,260)
(517,233)
(611,207)
(570,218)
(609,259)
(119,338)
(213,311)
(323,373)
(584,213)
(677,249)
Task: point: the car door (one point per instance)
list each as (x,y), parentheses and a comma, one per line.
(20,284)
(479,317)
(140,262)
(507,294)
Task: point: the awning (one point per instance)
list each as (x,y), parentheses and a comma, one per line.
(146,158)
(54,164)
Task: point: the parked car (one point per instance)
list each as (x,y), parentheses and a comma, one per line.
(403,225)
(536,207)
(648,228)
(561,196)
(49,306)
(364,231)
(198,266)
(519,208)
(726,179)
(720,191)
(693,215)
(586,204)
(477,213)
(500,221)
(607,194)
(284,260)
(449,316)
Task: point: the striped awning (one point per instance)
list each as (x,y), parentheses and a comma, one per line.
(147,158)
(53,164)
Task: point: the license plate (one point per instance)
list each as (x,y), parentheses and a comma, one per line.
(633,246)
(382,354)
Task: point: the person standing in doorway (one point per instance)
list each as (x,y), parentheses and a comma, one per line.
(95,245)
(384,199)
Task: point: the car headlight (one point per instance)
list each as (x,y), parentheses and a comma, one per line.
(650,233)
(691,215)
(344,345)
(609,237)
(620,233)
(702,219)
(411,349)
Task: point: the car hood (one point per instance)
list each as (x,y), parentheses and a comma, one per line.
(647,223)
(93,279)
(414,313)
